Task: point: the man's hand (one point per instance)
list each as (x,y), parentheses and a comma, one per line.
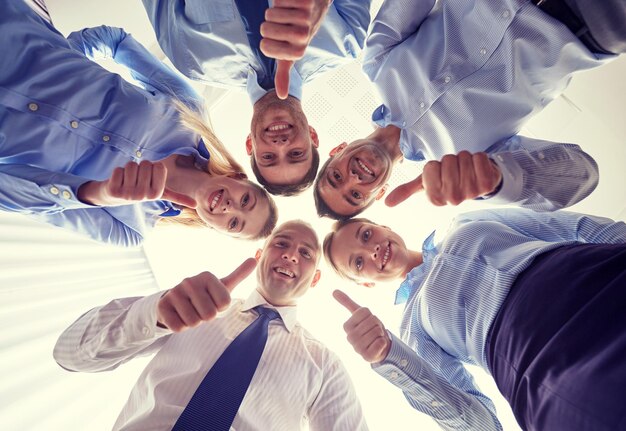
(132,183)
(365,331)
(287,31)
(198,299)
(453,180)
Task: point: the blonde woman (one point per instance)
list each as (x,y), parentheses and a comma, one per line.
(83,149)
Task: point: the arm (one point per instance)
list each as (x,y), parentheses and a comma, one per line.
(395,21)
(106,337)
(336,406)
(356,15)
(542,175)
(52,198)
(457,405)
(553,227)
(115,43)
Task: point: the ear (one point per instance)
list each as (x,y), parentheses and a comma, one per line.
(314,138)
(338,149)
(258,254)
(382,192)
(368,284)
(249,144)
(316,277)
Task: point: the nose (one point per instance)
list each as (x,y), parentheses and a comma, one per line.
(227,205)
(290,256)
(282,139)
(376,252)
(355,175)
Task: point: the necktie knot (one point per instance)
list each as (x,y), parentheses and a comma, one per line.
(268,313)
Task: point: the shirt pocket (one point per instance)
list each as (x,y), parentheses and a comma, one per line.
(208,11)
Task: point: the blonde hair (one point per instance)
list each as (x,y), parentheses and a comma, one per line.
(220,163)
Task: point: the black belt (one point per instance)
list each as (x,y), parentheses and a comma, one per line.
(560,10)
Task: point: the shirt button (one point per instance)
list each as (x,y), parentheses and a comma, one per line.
(435,403)
(74,124)
(541,155)
(33,106)
(446,79)
(483,51)
(403,363)
(145,331)
(422,104)
(106,138)
(54,191)
(506,14)
(393,375)
(138,153)
(66,194)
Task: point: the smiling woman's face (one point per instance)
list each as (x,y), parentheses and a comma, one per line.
(368,252)
(232,206)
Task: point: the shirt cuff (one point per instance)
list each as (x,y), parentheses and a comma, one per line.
(399,359)
(512,179)
(144,315)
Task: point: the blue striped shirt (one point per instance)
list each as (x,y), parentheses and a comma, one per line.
(463,75)
(454,296)
(64,120)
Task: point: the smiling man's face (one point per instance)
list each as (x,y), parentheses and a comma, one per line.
(281,141)
(288,264)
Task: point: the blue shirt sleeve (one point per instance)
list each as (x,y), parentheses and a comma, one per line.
(553,227)
(356,14)
(455,405)
(542,175)
(153,74)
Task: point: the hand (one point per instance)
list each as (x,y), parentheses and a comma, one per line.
(365,331)
(133,183)
(453,180)
(198,299)
(287,31)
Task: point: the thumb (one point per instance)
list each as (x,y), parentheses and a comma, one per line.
(403,192)
(179,198)
(281,80)
(240,274)
(346,301)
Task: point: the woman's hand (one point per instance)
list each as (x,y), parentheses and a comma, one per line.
(132,183)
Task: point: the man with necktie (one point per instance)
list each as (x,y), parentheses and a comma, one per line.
(224,43)
(246,364)
(458,80)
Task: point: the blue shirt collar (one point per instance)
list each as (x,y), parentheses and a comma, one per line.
(412,282)
(255,91)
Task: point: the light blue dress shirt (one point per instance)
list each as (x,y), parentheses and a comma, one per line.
(453,297)
(64,120)
(467,76)
(207,42)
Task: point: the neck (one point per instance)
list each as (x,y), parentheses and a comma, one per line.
(389,138)
(182,175)
(415,260)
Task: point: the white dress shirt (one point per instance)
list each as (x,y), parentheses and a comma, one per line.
(298,380)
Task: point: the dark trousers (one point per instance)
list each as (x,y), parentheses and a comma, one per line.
(557,348)
(599,24)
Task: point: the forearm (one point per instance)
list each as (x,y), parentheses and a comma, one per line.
(542,175)
(356,15)
(427,392)
(107,336)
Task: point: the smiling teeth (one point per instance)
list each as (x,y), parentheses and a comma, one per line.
(386,256)
(365,168)
(286,272)
(216,199)
(278,127)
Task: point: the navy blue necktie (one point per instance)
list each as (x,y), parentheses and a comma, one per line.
(216,401)
(253,14)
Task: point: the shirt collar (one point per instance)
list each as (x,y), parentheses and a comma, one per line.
(255,91)
(288,314)
(413,280)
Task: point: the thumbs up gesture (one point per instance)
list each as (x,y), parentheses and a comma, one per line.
(199,298)
(365,331)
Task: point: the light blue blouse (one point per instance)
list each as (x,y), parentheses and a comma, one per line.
(65,120)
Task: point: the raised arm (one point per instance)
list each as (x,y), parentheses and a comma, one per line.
(153,74)
(454,406)
(52,197)
(106,337)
